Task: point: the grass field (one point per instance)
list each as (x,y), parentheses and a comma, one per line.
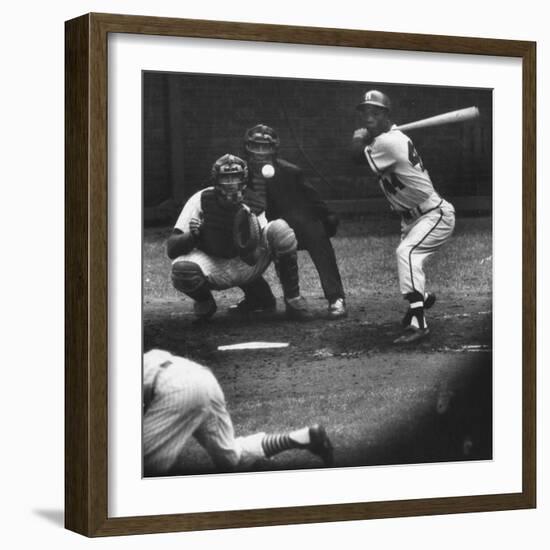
(381,405)
(365,253)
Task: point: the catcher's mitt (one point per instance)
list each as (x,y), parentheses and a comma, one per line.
(246,235)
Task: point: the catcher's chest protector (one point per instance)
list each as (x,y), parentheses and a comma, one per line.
(217,229)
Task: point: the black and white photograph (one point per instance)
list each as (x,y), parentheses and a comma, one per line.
(241,338)
(317,274)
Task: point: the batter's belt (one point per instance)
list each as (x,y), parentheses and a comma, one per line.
(428,205)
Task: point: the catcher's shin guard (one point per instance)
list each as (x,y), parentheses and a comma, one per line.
(187,277)
(287,270)
(281,238)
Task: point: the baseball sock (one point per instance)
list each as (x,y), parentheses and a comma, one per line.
(416,310)
(418,320)
(273,444)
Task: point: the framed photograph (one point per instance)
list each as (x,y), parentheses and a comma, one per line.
(300,275)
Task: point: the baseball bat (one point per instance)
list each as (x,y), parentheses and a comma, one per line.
(469,113)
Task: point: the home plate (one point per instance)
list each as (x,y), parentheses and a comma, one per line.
(254,345)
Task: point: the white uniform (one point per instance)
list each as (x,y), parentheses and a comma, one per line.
(427,219)
(183,399)
(223,273)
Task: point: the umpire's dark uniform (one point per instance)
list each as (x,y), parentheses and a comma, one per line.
(291,197)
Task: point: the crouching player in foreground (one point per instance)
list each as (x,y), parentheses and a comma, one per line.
(205,252)
(183,399)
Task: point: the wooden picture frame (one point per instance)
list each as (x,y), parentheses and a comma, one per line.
(86,279)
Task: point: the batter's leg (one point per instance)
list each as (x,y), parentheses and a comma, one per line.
(425,237)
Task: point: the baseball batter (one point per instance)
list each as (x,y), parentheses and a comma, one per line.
(183,399)
(203,243)
(427,220)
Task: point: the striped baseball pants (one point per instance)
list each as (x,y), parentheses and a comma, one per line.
(222,273)
(184,399)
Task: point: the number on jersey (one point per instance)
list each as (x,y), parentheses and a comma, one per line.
(391,183)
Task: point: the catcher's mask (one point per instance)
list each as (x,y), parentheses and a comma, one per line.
(261,143)
(230,178)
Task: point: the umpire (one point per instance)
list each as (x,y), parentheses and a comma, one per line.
(289,196)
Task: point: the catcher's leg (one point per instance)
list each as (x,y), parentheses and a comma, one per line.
(283,245)
(258,298)
(187,277)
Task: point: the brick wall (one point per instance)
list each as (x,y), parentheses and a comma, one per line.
(190,120)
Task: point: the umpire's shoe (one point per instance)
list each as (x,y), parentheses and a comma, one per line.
(320,445)
(297,309)
(412,334)
(429,301)
(337,309)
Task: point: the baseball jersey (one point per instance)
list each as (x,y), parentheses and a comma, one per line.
(401,174)
(182,399)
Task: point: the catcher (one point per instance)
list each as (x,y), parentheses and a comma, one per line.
(222,239)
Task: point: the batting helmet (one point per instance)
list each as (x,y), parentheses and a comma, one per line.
(230,177)
(376,98)
(261,140)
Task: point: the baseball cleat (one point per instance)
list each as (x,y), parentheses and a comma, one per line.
(412,334)
(297,309)
(205,308)
(337,309)
(320,445)
(429,301)
(246,307)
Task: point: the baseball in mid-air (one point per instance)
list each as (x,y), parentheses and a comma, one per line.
(268,171)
